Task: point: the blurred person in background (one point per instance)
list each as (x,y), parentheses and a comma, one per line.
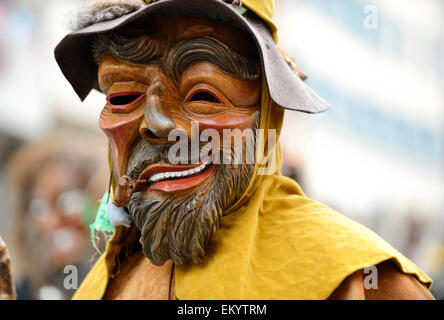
(55,184)
(7,289)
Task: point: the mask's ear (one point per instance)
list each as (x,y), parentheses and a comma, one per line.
(292,64)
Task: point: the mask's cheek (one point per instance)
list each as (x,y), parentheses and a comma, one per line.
(227,131)
(230,120)
(235,118)
(229,127)
(121,130)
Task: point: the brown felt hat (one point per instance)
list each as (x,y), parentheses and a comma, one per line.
(286,89)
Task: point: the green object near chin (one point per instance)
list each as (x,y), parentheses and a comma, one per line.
(101,223)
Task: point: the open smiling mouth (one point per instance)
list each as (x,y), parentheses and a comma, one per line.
(167,177)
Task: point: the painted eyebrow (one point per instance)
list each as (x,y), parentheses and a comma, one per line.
(208,49)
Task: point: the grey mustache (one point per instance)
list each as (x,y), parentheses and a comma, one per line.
(145,154)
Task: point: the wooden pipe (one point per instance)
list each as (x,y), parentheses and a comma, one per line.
(125,188)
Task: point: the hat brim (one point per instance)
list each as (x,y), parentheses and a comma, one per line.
(74,53)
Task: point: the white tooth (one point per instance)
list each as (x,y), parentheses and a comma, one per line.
(166,175)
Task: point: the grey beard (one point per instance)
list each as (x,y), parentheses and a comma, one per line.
(180,227)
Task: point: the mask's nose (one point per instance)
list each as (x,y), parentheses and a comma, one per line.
(157,124)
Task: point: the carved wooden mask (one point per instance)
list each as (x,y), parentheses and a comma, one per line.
(161,76)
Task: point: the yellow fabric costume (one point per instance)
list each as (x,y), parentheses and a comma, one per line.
(275,243)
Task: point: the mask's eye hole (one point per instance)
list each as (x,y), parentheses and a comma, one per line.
(123,100)
(204,96)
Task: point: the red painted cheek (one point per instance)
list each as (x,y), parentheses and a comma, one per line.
(121,131)
(226,121)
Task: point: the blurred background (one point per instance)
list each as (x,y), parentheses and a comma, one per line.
(377,155)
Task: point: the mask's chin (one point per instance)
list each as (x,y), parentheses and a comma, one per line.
(179,225)
(180,207)
(171,178)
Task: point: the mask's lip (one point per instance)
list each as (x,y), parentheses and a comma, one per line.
(184,183)
(163,167)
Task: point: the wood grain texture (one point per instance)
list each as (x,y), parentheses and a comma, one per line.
(166,71)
